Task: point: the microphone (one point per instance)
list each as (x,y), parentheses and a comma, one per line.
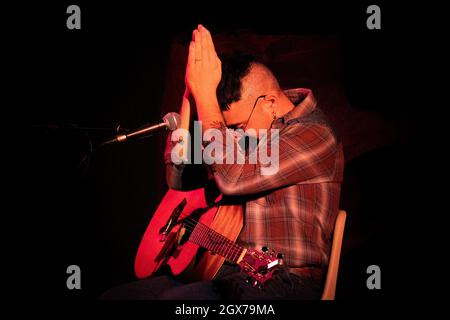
(171,121)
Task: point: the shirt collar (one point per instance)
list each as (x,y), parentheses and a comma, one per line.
(304,102)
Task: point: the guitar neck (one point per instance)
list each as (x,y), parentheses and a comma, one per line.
(213,241)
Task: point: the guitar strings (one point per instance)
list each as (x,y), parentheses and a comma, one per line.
(203,230)
(231,250)
(229,246)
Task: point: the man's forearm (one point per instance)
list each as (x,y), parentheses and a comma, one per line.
(174,173)
(209,111)
(185,111)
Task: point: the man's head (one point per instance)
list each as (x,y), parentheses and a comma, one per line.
(249,94)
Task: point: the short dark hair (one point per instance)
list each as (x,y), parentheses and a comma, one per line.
(235,67)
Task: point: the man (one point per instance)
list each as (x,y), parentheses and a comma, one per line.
(292,210)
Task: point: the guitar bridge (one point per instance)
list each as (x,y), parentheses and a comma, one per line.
(165,230)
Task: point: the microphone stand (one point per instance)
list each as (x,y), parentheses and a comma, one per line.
(121,135)
(85,160)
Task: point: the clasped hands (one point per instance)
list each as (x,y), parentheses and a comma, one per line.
(203,74)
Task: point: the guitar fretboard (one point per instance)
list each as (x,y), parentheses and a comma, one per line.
(215,242)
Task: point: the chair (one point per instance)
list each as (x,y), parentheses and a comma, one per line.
(333,266)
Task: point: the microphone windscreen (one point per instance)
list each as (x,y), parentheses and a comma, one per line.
(172,120)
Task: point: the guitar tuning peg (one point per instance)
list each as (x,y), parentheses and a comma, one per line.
(251,281)
(280,258)
(264,249)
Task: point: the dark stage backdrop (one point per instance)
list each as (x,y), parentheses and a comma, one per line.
(126,67)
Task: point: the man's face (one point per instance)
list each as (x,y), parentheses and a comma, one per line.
(247,113)
(238,114)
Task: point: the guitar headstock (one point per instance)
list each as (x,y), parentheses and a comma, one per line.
(260,265)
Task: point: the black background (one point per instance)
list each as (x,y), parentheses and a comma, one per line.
(111,72)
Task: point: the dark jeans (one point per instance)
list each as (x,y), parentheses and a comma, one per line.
(228,284)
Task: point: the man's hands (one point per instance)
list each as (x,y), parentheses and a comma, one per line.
(203,74)
(204,70)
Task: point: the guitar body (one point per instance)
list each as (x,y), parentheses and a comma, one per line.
(174,248)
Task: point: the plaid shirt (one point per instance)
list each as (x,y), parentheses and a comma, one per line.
(292,211)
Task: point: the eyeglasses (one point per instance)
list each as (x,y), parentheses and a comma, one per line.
(256,101)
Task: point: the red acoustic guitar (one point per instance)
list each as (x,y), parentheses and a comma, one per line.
(194,236)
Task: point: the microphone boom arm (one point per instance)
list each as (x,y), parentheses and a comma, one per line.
(171,121)
(123,137)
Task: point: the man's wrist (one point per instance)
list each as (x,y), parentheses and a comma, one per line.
(207,98)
